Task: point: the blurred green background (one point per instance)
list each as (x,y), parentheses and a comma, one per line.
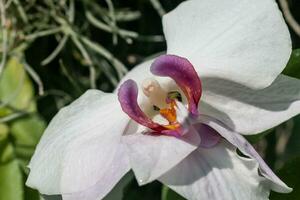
(53,50)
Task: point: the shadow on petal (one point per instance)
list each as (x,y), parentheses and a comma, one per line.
(216,173)
(196,173)
(206,108)
(278,96)
(246,148)
(52,197)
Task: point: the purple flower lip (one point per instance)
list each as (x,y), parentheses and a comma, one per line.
(187,79)
(127,96)
(184,74)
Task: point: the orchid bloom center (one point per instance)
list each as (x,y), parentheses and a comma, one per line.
(155,93)
(162,101)
(165,103)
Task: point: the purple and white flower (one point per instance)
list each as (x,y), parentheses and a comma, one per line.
(179,118)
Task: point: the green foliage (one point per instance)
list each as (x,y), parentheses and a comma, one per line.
(118,191)
(256,138)
(293,146)
(20,133)
(6,151)
(3,131)
(26,133)
(293,66)
(28,130)
(168,194)
(147,192)
(11,181)
(290,174)
(16,89)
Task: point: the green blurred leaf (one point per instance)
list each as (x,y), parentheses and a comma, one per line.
(290,174)
(293,146)
(293,66)
(26,133)
(6,151)
(31,194)
(4,111)
(11,182)
(19,137)
(3,131)
(117,192)
(52,197)
(257,137)
(147,192)
(16,88)
(168,194)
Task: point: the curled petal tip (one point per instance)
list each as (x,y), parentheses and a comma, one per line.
(127,95)
(183,73)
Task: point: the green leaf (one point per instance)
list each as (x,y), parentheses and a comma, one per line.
(16,88)
(293,66)
(3,131)
(117,192)
(11,181)
(147,192)
(290,174)
(4,111)
(168,194)
(26,133)
(257,137)
(6,151)
(31,194)
(52,197)
(293,146)
(19,137)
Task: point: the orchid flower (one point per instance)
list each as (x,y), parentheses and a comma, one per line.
(180,118)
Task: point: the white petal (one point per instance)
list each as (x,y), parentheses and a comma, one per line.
(239,40)
(151,156)
(249,111)
(216,173)
(79,145)
(141,72)
(118,168)
(244,146)
(138,73)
